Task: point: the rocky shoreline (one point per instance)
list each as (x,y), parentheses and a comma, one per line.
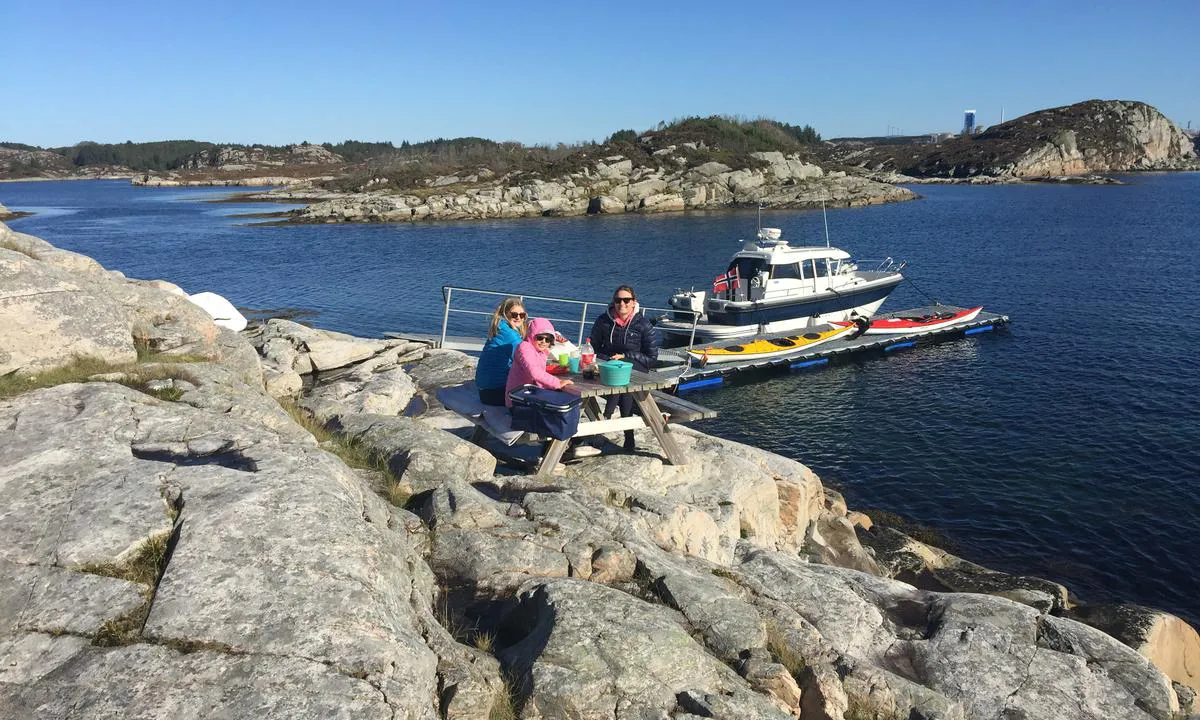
(265,181)
(6,214)
(285,522)
(611,185)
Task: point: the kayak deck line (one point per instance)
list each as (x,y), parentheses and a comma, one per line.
(675,361)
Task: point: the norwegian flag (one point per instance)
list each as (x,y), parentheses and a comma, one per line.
(726,281)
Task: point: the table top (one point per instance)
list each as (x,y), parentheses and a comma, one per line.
(592,387)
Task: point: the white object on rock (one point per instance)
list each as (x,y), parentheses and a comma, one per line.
(223,312)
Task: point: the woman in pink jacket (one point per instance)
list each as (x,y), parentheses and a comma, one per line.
(529,361)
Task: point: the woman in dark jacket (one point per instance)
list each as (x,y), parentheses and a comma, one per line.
(624,333)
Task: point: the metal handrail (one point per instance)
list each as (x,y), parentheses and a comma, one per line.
(448,292)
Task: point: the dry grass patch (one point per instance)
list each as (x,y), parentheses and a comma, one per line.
(504,705)
(784,654)
(136,375)
(190,646)
(9,244)
(485,642)
(77,370)
(144,567)
(352,453)
(125,630)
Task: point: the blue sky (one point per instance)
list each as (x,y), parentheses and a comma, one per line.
(547,72)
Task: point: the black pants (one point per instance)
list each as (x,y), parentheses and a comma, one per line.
(624,401)
(492,396)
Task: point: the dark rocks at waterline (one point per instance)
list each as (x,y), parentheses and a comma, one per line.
(199,553)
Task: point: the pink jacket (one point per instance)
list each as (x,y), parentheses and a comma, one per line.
(529,363)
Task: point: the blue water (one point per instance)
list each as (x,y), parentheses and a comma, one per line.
(1064,447)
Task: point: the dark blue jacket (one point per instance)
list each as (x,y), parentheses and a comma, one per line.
(637,341)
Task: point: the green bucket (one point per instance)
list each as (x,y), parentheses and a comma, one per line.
(615,372)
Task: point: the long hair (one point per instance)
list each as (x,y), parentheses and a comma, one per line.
(501,314)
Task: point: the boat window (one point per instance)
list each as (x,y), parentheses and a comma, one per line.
(822,267)
(808,269)
(748,267)
(787,270)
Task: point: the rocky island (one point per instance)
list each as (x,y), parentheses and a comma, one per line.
(286,523)
(1087,138)
(696,163)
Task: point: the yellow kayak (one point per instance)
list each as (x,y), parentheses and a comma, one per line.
(765,348)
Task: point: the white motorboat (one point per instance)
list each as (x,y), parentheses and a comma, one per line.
(770,286)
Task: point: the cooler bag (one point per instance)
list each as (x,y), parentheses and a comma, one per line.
(550,413)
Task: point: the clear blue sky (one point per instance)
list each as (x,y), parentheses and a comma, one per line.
(546,72)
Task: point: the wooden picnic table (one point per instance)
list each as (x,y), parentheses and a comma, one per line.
(641,386)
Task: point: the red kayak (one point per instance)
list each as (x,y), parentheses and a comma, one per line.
(916,323)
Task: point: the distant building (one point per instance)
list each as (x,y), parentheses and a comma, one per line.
(968,122)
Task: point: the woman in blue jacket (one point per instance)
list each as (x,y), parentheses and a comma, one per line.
(624,333)
(506,333)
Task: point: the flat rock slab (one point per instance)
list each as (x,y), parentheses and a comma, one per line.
(595,652)
(64,677)
(55,600)
(71,490)
(281,550)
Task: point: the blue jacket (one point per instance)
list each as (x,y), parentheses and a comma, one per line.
(496,358)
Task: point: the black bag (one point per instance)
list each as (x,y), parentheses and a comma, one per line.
(549,413)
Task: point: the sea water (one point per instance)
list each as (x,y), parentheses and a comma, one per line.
(1066,446)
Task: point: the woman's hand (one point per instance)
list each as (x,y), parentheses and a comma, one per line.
(566,383)
(618,356)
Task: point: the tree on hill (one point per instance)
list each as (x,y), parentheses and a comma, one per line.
(738,135)
(164,155)
(356,151)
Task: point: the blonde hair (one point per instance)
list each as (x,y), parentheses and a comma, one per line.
(501,314)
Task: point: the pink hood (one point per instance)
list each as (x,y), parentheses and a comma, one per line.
(529,363)
(538,326)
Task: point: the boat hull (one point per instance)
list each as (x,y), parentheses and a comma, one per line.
(827,303)
(769,348)
(748,319)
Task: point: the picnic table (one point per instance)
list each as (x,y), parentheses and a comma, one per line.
(655,408)
(592,391)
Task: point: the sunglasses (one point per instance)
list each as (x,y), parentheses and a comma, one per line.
(544,338)
(624,299)
(517,315)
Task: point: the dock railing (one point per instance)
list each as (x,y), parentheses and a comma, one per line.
(580,310)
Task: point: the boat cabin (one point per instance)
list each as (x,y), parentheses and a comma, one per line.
(769,268)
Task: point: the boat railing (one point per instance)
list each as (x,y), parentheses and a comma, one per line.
(574,312)
(888,264)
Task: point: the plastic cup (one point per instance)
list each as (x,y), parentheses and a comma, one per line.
(574,364)
(563,359)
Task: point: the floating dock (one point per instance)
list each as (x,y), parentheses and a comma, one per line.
(692,376)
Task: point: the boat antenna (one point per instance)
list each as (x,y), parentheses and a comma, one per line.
(826,219)
(758,233)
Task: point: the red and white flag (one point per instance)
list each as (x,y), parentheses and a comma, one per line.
(724,282)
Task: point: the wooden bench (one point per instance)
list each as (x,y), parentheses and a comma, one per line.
(679,410)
